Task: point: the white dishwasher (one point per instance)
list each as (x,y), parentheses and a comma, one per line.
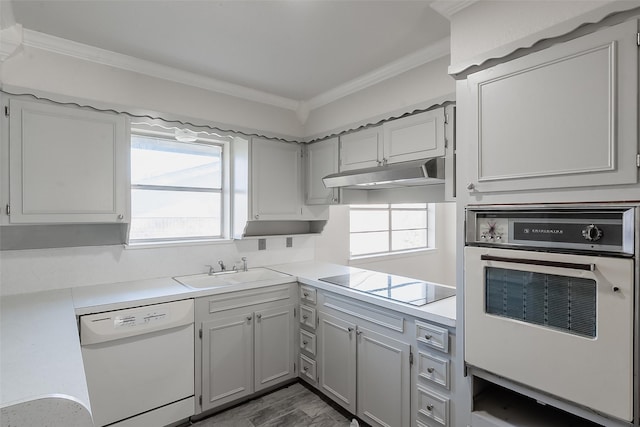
(139,364)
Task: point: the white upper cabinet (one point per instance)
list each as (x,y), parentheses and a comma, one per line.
(362,149)
(416,137)
(276,180)
(565,116)
(66,165)
(321,160)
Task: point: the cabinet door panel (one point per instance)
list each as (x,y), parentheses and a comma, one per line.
(562,117)
(415,137)
(274,348)
(338,360)
(362,149)
(322,160)
(66,165)
(276,180)
(227,359)
(384,382)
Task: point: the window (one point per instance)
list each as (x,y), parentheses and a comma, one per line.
(176,189)
(383,229)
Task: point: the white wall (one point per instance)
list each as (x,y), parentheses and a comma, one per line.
(64,75)
(407,90)
(489,24)
(46,269)
(437,265)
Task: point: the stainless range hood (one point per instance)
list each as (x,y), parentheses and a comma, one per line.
(406,174)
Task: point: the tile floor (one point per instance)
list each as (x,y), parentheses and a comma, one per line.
(294,405)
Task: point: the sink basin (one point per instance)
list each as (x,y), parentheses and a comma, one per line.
(229,278)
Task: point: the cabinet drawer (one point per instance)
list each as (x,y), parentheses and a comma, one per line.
(308,316)
(433,369)
(432,336)
(432,406)
(307,368)
(308,295)
(308,342)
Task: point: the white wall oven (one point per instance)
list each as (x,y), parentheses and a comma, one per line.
(549,301)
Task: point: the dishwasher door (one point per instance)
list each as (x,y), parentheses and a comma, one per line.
(139,360)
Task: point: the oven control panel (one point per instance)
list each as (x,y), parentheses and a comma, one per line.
(607,229)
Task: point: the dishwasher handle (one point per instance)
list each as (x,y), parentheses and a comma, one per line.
(114,325)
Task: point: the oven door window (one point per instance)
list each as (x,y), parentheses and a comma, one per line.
(560,302)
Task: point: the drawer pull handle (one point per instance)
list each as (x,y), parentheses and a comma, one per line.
(429,407)
(305,342)
(430,370)
(305,369)
(428,337)
(305,316)
(259,316)
(306,294)
(358,333)
(350,330)
(248,318)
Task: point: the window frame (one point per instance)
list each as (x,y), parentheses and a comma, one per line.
(166,132)
(428,209)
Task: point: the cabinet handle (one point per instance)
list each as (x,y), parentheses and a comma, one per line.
(429,407)
(305,316)
(335,200)
(306,294)
(428,337)
(257,217)
(305,343)
(259,316)
(358,333)
(471,186)
(120,217)
(248,318)
(430,370)
(305,368)
(350,330)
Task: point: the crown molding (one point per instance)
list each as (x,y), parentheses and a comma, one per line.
(432,52)
(105,57)
(448,8)
(10,41)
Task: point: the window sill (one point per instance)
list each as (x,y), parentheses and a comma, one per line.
(389,256)
(177,243)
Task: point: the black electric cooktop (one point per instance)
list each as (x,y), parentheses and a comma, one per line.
(397,288)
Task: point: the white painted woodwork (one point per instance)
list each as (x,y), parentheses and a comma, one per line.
(432,336)
(433,406)
(308,295)
(67,165)
(308,342)
(338,360)
(308,369)
(433,369)
(321,160)
(566,116)
(227,359)
(276,180)
(414,137)
(361,149)
(383,377)
(273,346)
(308,316)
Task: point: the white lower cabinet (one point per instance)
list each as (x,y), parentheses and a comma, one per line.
(365,371)
(246,342)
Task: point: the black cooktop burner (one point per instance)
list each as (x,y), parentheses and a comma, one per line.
(397,288)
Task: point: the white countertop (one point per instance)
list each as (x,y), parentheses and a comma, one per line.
(41,370)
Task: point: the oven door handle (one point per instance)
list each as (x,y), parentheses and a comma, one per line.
(571,265)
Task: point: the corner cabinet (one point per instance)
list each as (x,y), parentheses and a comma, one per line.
(562,117)
(244,344)
(276,177)
(321,160)
(66,165)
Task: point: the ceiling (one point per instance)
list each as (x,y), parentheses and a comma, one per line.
(295,49)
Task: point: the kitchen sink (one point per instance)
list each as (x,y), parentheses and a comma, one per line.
(229,278)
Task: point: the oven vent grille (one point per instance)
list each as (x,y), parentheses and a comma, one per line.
(558,302)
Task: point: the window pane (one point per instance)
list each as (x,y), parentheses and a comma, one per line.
(402,220)
(368,243)
(409,239)
(156,161)
(174,214)
(368,220)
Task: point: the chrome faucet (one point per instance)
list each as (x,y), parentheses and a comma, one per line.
(222,267)
(244,263)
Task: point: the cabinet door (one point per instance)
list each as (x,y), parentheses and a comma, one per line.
(227,359)
(338,360)
(276,180)
(67,165)
(322,160)
(566,116)
(362,149)
(415,137)
(274,346)
(384,381)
